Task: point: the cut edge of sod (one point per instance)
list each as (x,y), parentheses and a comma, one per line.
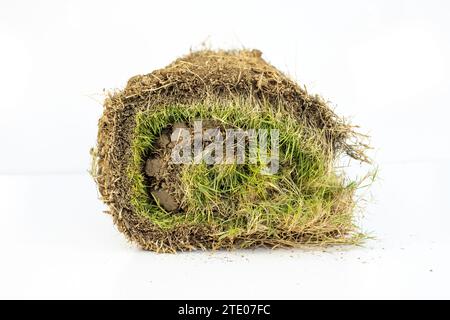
(221,78)
(306,203)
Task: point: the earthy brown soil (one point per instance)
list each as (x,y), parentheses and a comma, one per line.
(163,177)
(196,77)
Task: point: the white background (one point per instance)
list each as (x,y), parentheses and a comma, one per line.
(383,64)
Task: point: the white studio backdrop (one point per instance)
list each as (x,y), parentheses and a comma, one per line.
(383,64)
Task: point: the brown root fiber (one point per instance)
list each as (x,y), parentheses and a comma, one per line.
(201,77)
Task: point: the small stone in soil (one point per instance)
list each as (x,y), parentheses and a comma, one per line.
(163,140)
(165,200)
(152,167)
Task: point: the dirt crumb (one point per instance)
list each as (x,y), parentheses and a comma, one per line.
(163,140)
(153,167)
(165,200)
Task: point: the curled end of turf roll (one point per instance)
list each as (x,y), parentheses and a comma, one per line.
(163,165)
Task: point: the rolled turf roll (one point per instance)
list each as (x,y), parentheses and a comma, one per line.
(167,206)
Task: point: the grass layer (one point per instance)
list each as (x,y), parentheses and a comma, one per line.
(306,202)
